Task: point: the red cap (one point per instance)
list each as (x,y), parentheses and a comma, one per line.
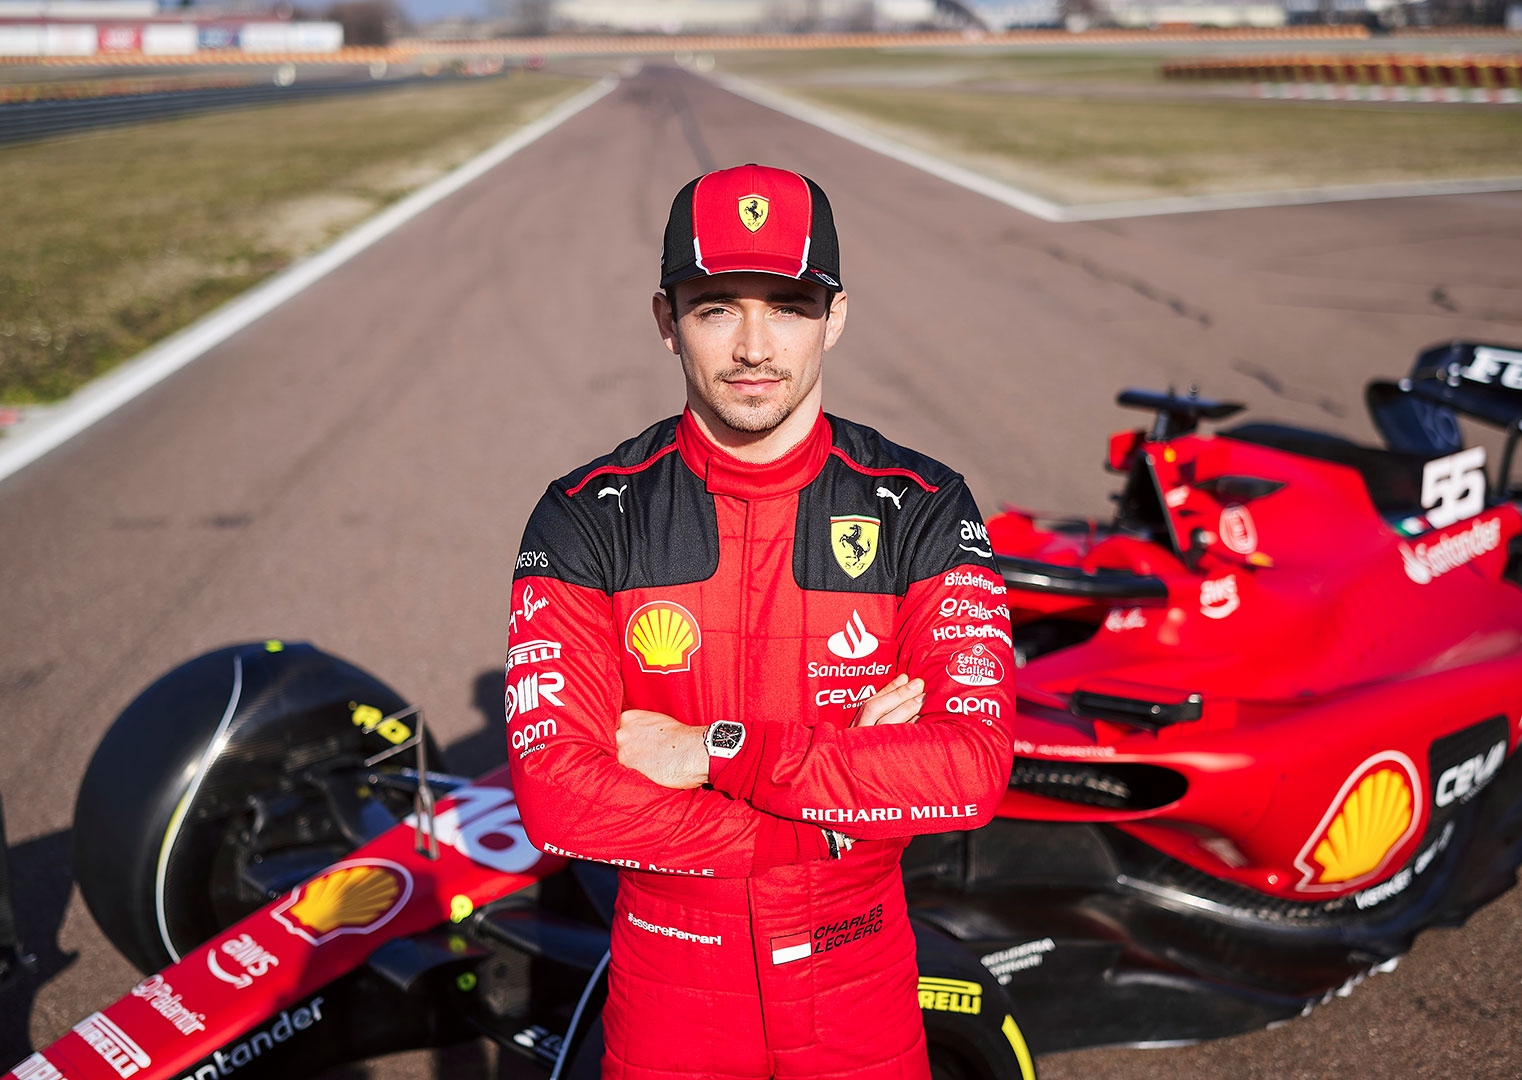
(751,218)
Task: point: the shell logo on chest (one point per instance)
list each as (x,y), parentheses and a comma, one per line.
(662,636)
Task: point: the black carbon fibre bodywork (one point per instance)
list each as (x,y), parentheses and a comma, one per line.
(230,740)
(1156,952)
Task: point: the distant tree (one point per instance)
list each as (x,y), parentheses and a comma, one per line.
(535,16)
(366,22)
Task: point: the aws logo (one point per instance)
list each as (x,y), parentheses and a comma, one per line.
(1376,811)
(662,636)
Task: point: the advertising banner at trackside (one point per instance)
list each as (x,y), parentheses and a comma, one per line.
(217,36)
(169,39)
(121,38)
(67,39)
(275,37)
(20,41)
(316,36)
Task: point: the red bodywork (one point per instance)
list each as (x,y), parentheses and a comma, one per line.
(1325,646)
(274,961)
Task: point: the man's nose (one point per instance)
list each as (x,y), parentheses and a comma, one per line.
(754,344)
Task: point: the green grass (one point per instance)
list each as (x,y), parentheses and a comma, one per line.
(113,239)
(1079,150)
(961,65)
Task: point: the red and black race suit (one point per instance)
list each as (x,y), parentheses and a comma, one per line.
(673,577)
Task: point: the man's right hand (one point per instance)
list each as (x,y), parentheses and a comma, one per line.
(897,703)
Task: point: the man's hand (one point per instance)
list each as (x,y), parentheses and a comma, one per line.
(662,748)
(897,703)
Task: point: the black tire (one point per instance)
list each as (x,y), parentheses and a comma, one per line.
(948,1064)
(221,762)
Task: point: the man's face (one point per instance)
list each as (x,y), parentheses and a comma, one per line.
(751,345)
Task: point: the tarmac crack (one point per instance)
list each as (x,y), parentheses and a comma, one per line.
(691,131)
(1276,386)
(1140,286)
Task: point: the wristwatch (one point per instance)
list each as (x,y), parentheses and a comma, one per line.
(839,843)
(724,738)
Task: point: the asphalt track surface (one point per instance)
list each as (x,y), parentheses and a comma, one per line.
(355,469)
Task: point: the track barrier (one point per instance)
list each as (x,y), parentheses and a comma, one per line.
(652,44)
(1390,77)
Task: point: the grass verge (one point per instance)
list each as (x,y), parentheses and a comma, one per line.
(1075,150)
(116,238)
(951,65)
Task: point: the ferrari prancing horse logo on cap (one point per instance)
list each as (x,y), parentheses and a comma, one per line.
(753,211)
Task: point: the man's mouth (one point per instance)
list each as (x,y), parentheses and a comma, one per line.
(753,387)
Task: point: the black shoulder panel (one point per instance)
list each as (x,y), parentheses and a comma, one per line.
(635,518)
(880,516)
(951,534)
(868,447)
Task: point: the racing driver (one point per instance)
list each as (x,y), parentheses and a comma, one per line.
(719,633)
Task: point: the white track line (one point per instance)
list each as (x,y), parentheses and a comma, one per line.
(1041,208)
(1023,201)
(1253,200)
(35,435)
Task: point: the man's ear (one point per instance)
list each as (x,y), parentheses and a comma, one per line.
(665,322)
(835,320)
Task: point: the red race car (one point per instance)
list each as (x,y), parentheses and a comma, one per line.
(1267,723)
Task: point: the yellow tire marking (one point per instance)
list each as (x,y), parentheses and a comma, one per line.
(1022,1052)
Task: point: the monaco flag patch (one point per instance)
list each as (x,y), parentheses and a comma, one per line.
(790,947)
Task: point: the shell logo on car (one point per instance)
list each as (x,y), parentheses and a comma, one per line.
(662,636)
(1376,811)
(355,897)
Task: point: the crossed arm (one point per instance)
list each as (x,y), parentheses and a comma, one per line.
(673,755)
(638,788)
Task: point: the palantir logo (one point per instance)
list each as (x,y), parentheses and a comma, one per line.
(854,641)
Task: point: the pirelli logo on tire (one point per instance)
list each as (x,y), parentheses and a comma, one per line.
(950,995)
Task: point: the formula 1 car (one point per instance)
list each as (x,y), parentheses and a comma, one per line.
(1267,733)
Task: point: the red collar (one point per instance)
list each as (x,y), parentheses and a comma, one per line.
(726,474)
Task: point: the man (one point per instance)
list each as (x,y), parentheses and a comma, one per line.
(719,633)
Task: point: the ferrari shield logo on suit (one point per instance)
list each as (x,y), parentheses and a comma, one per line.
(853,539)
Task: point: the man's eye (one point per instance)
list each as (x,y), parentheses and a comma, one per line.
(791,311)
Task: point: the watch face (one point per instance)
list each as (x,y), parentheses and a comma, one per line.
(726,736)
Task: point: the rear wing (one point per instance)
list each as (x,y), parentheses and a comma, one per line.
(1420,413)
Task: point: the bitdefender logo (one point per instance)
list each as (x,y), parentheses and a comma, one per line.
(854,641)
